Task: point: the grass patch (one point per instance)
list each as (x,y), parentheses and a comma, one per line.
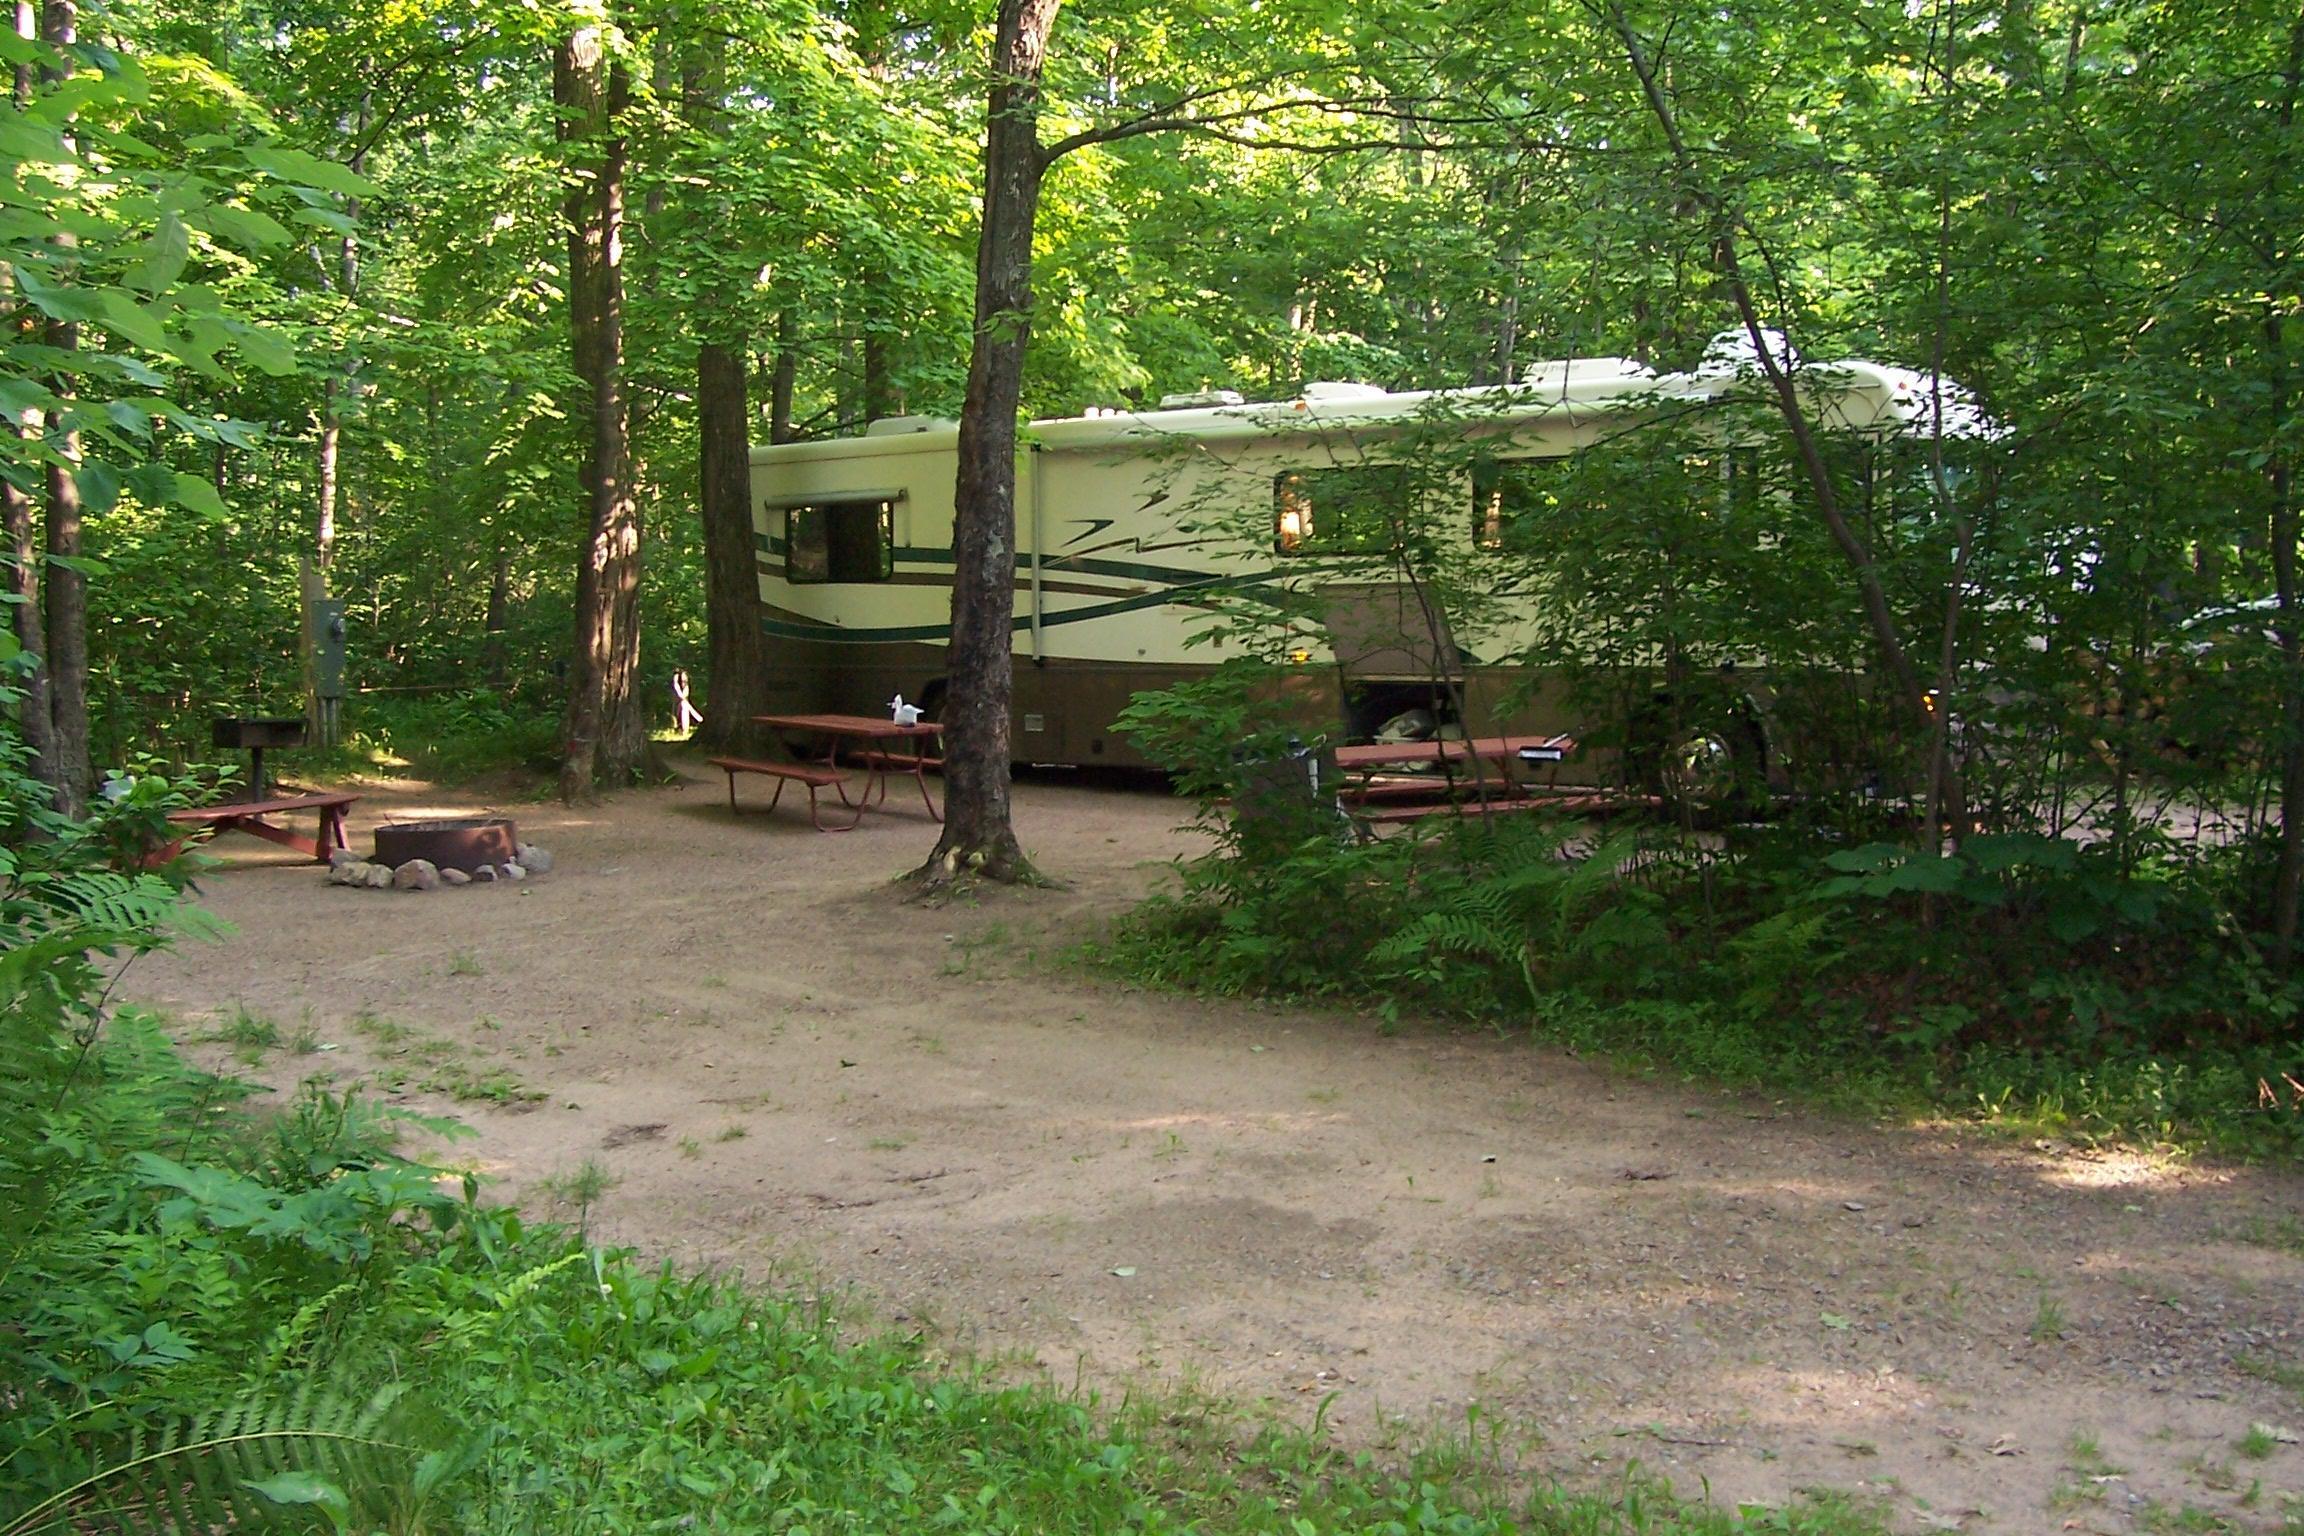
(2280,1373)
(470,1083)
(2285,1233)
(249,1034)
(383,1031)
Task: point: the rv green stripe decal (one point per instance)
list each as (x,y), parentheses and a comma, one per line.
(1187,595)
(1131,570)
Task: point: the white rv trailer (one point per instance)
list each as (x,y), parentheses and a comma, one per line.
(1122,542)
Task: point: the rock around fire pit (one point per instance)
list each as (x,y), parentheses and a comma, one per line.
(424,855)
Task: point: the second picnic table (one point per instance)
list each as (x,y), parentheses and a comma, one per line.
(1480,763)
(879,746)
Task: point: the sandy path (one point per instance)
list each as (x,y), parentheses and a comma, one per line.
(788,1070)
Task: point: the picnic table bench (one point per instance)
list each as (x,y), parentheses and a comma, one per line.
(802,773)
(249,816)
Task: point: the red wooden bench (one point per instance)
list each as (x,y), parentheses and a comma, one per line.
(248,816)
(815,778)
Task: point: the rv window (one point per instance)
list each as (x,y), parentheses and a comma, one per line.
(1515,500)
(840,541)
(1351,511)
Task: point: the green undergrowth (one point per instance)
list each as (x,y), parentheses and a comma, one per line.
(2018,983)
(448,738)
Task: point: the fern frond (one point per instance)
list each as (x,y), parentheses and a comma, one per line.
(259,1462)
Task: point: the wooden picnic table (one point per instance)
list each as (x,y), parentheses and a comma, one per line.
(1475,774)
(877,745)
(249,816)
(1450,751)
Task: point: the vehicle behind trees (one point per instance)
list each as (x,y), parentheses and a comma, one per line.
(1572,553)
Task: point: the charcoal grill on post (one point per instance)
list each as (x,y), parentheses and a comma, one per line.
(253,736)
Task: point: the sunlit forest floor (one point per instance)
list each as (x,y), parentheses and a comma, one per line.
(735,1045)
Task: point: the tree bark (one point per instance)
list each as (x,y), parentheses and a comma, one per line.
(65,598)
(336,390)
(737,649)
(20,525)
(784,377)
(607,739)
(24,556)
(879,394)
(979,838)
(2288,877)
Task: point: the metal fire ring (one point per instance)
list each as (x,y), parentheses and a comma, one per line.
(464,843)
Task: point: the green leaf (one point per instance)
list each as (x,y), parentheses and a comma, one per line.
(129,418)
(19,395)
(133,370)
(245,227)
(308,1488)
(326,218)
(197,495)
(165,256)
(163,1342)
(99,487)
(263,347)
(300,169)
(59,301)
(137,324)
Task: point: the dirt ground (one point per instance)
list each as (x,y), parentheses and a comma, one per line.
(785,1069)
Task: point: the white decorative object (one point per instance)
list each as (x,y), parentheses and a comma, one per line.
(903,713)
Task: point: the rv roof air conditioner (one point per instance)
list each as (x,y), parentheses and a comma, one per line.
(897,426)
(1322,391)
(1562,372)
(1200,400)
(1732,351)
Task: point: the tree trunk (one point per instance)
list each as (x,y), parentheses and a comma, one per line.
(2288,878)
(979,839)
(492,657)
(24,555)
(65,606)
(737,648)
(879,397)
(784,377)
(66,594)
(331,442)
(335,391)
(607,739)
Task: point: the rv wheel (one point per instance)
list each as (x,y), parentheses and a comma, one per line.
(1715,765)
